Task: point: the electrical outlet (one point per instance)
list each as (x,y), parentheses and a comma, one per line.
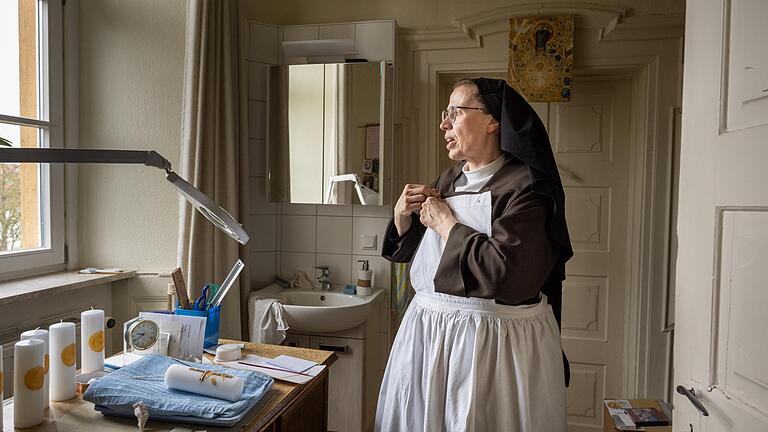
(368,242)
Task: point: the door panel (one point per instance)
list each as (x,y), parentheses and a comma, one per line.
(591,138)
(720,319)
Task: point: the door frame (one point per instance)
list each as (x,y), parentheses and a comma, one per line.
(604,36)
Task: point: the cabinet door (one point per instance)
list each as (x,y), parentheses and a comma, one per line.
(296,340)
(345,387)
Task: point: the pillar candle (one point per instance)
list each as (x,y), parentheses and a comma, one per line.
(28,380)
(62,353)
(43,336)
(92,340)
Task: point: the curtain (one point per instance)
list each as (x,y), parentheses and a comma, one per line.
(210,150)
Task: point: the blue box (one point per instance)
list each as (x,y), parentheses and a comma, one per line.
(212,317)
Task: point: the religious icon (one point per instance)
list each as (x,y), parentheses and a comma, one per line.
(541,57)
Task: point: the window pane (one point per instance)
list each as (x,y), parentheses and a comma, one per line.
(19,51)
(21,214)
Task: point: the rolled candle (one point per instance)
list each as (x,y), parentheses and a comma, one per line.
(28,380)
(92,340)
(43,336)
(62,355)
(214,384)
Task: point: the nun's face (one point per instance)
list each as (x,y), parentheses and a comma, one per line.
(469,136)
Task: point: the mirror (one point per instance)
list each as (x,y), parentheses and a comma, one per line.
(325,140)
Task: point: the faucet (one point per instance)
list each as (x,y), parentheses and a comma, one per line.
(325,278)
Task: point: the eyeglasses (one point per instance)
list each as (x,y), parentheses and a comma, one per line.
(451,113)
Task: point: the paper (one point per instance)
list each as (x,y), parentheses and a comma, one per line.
(261,364)
(187,333)
(291,363)
(119,360)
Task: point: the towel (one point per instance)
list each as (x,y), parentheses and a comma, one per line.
(143,380)
(267,323)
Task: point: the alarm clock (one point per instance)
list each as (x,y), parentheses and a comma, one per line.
(141,334)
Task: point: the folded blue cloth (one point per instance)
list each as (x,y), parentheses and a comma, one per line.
(143,381)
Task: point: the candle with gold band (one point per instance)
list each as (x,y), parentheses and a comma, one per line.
(43,336)
(28,380)
(92,340)
(62,355)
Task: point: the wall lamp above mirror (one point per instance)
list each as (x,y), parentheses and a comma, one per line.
(206,206)
(329,133)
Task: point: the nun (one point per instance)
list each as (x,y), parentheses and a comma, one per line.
(479,347)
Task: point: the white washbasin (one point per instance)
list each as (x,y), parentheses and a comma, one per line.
(321,311)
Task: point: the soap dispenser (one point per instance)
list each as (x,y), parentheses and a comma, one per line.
(364,277)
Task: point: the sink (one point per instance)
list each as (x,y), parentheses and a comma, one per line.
(321,311)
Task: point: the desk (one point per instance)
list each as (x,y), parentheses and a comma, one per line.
(286,406)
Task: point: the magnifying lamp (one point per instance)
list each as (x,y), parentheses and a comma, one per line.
(215,214)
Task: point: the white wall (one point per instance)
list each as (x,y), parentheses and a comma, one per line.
(131,72)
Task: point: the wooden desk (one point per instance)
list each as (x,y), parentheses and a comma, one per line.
(286,406)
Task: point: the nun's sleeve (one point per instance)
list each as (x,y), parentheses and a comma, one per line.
(510,266)
(401,248)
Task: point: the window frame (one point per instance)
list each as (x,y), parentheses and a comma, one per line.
(51,63)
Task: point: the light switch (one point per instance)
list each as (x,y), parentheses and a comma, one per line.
(369,242)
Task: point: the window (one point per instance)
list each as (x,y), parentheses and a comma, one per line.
(31,115)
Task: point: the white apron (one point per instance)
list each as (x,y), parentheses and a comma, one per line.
(470,364)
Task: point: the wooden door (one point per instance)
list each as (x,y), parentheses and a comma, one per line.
(720,311)
(591,138)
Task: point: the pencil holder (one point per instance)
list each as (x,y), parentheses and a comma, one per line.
(212,317)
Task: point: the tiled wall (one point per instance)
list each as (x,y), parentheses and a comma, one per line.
(286,238)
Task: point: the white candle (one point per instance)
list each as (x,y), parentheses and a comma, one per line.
(43,336)
(28,380)
(62,354)
(92,340)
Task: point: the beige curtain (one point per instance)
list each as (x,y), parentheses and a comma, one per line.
(210,149)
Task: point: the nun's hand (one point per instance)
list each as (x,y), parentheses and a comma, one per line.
(436,214)
(410,201)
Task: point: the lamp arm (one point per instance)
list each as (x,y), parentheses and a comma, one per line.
(55,155)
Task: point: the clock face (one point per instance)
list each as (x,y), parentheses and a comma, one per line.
(143,334)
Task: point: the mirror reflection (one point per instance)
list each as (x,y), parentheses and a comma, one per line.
(324,133)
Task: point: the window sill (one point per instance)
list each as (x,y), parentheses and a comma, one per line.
(30,288)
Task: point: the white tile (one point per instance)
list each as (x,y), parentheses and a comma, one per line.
(298,233)
(257,197)
(298,209)
(337,31)
(294,33)
(372,211)
(340,265)
(261,269)
(334,234)
(257,120)
(263,232)
(263,43)
(257,81)
(334,210)
(381,270)
(367,226)
(375,40)
(257,158)
(291,262)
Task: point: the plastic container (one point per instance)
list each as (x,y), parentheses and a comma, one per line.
(212,317)
(364,277)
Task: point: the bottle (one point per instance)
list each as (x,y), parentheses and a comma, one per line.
(364,277)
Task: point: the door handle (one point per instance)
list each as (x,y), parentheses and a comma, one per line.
(691,397)
(335,348)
